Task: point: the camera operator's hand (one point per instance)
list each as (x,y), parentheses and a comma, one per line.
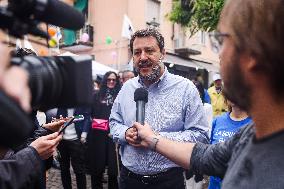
(14,80)
(15,84)
(46,145)
(54,126)
(5,59)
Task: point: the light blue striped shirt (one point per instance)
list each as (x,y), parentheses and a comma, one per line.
(174,110)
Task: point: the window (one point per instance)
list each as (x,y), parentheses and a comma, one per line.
(153,11)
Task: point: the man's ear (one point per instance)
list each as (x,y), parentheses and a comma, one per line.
(248,62)
(163,54)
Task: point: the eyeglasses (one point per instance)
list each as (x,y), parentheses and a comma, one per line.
(216,40)
(109,80)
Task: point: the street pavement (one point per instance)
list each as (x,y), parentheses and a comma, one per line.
(54,180)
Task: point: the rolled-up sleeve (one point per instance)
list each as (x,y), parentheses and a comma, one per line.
(213,159)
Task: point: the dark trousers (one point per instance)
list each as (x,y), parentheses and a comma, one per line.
(72,151)
(96,181)
(171,179)
(101,153)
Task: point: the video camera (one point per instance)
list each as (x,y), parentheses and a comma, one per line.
(54,81)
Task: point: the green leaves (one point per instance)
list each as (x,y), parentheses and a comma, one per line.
(197,15)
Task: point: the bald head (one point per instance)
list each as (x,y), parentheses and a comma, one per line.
(126,75)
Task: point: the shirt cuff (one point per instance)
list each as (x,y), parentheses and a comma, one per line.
(121,137)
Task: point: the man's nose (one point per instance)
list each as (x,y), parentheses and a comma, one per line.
(144,55)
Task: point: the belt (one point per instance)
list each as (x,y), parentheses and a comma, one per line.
(146,179)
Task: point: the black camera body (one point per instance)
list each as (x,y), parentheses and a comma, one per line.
(64,82)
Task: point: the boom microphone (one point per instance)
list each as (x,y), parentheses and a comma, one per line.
(53,12)
(141,98)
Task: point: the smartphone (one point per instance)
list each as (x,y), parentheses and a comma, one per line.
(77,118)
(67,123)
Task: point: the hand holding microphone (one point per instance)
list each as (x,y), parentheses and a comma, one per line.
(141,98)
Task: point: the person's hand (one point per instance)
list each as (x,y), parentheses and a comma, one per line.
(144,133)
(54,126)
(83,138)
(15,85)
(5,60)
(46,145)
(14,80)
(131,136)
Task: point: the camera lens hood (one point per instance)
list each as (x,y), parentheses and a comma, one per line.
(15,124)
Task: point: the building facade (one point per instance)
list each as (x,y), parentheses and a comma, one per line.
(102,36)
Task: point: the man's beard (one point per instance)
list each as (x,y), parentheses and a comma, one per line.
(155,73)
(235,88)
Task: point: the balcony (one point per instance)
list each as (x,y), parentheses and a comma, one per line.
(78,41)
(186,52)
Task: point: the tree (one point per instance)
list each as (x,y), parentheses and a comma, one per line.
(196,14)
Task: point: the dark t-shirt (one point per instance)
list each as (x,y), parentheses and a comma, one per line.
(243,161)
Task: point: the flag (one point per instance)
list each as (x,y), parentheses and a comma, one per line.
(58,34)
(127,28)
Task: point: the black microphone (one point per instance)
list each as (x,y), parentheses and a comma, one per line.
(141,98)
(52,12)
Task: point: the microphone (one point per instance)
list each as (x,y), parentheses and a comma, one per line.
(141,98)
(52,12)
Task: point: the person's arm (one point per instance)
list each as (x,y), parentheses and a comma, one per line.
(200,158)
(95,105)
(86,124)
(178,152)
(195,123)
(116,123)
(20,170)
(87,120)
(173,150)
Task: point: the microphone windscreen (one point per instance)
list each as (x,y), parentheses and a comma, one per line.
(141,94)
(63,15)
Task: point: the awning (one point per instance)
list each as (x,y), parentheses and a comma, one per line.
(97,68)
(174,59)
(208,66)
(187,62)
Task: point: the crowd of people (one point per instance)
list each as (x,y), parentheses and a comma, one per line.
(231,132)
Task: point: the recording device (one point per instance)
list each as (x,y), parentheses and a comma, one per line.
(62,82)
(141,98)
(67,123)
(21,17)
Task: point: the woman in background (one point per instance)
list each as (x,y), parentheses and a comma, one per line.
(101,148)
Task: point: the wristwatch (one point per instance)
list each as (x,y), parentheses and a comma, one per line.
(154,142)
